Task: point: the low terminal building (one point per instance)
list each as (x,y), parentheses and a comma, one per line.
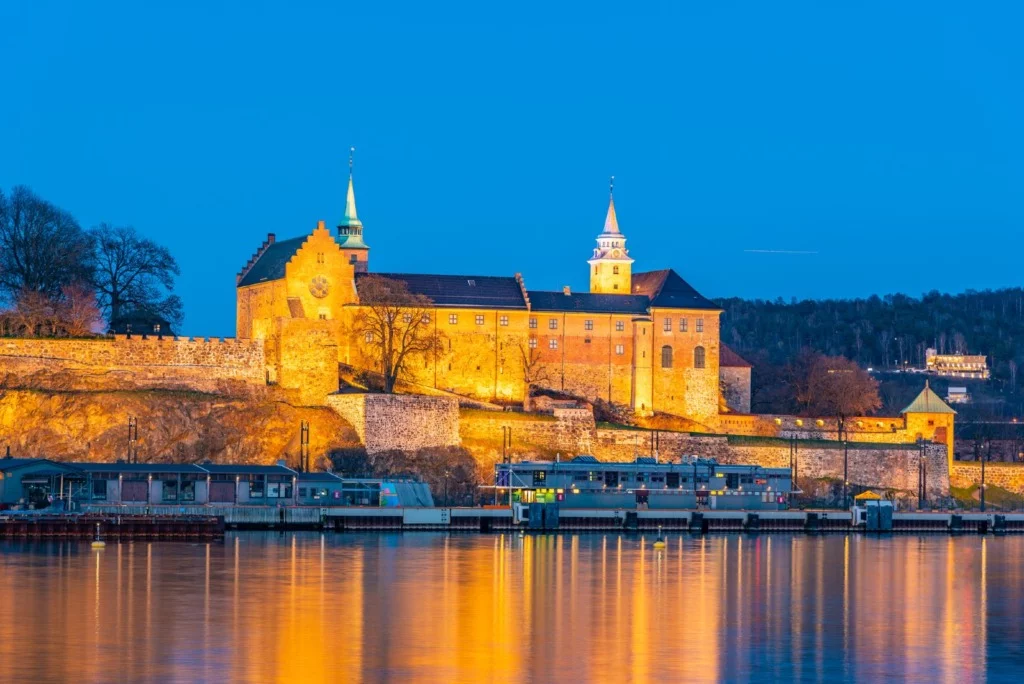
(35,483)
(585,482)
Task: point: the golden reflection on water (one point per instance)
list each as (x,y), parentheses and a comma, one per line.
(476,608)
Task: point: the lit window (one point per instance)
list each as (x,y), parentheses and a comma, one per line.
(620,349)
(407,318)
(620,326)
(533,343)
(666,356)
(368,337)
(533,323)
(453,319)
(615,270)
(552,344)
(503,320)
(553,323)
(479,319)
(684,325)
(425,318)
(698,357)
(588,324)
(700,325)
(667,326)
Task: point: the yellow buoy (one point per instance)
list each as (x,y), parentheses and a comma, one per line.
(99,544)
(659,541)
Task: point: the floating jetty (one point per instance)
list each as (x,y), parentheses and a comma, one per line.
(100,527)
(210,521)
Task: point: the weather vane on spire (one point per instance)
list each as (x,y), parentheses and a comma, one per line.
(351,153)
(611,186)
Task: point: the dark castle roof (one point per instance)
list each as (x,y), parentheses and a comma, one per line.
(484,292)
(270,265)
(727,358)
(667,289)
(584,302)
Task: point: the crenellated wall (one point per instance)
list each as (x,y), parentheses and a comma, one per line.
(119,363)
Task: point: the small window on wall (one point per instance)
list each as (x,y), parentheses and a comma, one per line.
(620,349)
(479,319)
(533,343)
(553,323)
(700,325)
(453,319)
(684,325)
(620,326)
(323,317)
(615,286)
(533,323)
(595,270)
(698,357)
(615,270)
(503,320)
(368,337)
(667,327)
(552,344)
(588,324)
(666,356)
(407,318)
(425,318)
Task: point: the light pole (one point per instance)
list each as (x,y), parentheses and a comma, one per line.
(846,476)
(982,493)
(447,473)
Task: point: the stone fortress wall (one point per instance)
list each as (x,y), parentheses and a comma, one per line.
(226,366)
(403,422)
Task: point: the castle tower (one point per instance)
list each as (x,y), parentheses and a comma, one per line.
(350,228)
(611,267)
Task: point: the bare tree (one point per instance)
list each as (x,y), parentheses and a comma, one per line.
(76,311)
(959,343)
(394,326)
(134,275)
(839,388)
(1012,367)
(885,339)
(534,372)
(42,247)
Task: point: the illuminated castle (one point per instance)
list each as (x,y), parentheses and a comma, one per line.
(647,341)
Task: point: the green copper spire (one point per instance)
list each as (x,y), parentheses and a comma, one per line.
(350,228)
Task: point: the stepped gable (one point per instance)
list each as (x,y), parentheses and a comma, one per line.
(585,302)
(668,290)
(462,291)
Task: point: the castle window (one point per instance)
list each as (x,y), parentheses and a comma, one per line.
(319,257)
(553,343)
(667,327)
(620,349)
(615,270)
(503,320)
(553,323)
(684,325)
(479,319)
(156,327)
(666,356)
(588,324)
(533,343)
(700,325)
(368,337)
(453,319)
(533,323)
(425,318)
(323,317)
(698,357)
(615,286)
(407,318)
(595,270)
(620,326)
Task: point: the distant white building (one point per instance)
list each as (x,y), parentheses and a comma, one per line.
(957,365)
(958,395)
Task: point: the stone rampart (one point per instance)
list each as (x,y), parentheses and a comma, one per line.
(405,422)
(1009,476)
(119,363)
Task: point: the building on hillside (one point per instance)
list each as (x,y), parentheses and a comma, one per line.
(958,395)
(734,373)
(647,341)
(957,365)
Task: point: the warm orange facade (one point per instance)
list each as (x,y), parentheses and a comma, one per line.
(646,357)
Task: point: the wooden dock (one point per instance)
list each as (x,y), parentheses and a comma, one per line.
(112,527)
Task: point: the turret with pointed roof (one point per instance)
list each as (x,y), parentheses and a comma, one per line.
(350,228)
(928,402)
(611,266)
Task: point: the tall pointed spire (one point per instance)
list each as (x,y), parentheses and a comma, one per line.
(351,219)
(611,223)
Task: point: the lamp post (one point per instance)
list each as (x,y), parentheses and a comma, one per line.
(982,493)
(846,476)
(447,473)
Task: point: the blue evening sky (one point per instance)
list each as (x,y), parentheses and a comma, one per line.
(887,138)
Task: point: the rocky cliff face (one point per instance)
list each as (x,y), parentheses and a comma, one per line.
(172,426)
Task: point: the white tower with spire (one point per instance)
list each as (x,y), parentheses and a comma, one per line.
(611,266)
(350,228)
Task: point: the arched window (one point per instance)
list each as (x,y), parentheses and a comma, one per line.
(698,357)
(615,270)
(666,356)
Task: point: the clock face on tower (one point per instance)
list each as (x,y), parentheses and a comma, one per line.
(318,286)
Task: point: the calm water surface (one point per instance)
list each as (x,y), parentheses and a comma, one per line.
(476,608)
